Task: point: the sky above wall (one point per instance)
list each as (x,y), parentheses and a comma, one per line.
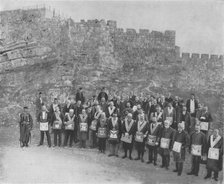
(199,25)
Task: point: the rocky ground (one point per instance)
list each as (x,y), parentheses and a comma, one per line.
(74,165)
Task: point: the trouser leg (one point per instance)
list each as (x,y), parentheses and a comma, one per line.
(103,145)
(41,137)
(216,174)
(150,152)
(66,138)
(48,138)
(197,165)
(71,133)
(59,138)
(55,137)
(155,154)
(116,146)
(180,167)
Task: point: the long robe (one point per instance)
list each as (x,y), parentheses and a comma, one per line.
(181,137)
(26,124)
(215,165)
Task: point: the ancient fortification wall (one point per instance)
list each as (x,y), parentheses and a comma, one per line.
(40,51)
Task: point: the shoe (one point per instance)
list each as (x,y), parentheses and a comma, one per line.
(142,160)
(207,176)
(54,146)
(216,179)
(196,174)
(155,164)
(137,158)
(116,155)
(190,173)
(167,168)
(110,155)
(149,162)
(178,174)
(130,158)
(175,170)
(162,166)
(49,146)
(39,144)
(124,156)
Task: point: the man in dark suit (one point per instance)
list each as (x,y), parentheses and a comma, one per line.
(192,105)
(102,94)
(80,96)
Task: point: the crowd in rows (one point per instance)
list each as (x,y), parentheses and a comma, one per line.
(163,125)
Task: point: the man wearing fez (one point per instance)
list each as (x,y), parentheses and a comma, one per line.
(214,151)
(44,119)
(197,149)
(80,96)
(102,94)
(26,125)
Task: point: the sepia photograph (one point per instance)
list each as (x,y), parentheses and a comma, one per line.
(111,92)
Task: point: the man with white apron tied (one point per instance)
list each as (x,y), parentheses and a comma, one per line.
(69,122)
(197,149)
(83,128)
(129,127)
(114,129)
(166,141)
(180,143)
(215,155)
(101,130)
(57,122)
(205,120)
(153,139)
(140,137)
(44,120)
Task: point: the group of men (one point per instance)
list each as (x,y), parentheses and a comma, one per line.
(162,125)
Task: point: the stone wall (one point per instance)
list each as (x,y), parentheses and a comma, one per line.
(56,56)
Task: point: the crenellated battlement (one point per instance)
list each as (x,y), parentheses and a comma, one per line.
(195,56)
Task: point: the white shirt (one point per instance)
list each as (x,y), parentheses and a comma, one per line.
(192,106)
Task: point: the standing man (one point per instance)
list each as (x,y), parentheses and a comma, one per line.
(184,118)
(153,139)
(53,107)
(114,130)
(80,96)
(26,125)
(169,114)
(180,143)
(44,120)
(197,148)
(205,119)
(166,142)
(69,122)
(129,128)
(140,136)
(215,154)
(192,105)
(57,122)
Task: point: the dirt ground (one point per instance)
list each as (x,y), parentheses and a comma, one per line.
(74,165)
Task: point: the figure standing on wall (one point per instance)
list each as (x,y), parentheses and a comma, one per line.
(80,96)
(102,94)
(26,125)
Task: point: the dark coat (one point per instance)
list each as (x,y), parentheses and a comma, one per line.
(215,165)
(188,106)
(181,137)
